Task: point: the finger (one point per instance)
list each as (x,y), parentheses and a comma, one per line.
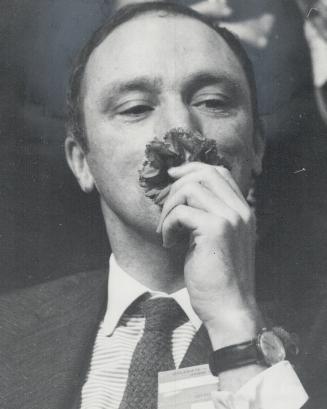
(182,218)
(225,173)
(199,197)
(159,200)
(219,181)
(214,177)
(180,171)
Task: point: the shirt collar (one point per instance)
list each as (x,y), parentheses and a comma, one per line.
(123,290)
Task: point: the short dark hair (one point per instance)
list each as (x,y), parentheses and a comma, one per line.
(75,114)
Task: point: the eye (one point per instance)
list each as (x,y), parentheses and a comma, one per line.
(211,104)
(136,110)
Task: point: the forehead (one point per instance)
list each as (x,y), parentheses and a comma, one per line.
(164,47)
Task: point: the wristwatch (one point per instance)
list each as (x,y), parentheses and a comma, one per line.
(268,348)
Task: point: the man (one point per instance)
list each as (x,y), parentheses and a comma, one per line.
(152,69)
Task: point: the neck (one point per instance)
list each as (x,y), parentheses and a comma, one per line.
(144,258)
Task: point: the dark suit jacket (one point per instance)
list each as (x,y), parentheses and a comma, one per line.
(46,337)
(47,333)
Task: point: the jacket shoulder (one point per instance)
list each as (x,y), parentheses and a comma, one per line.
(47,334)
(21,311)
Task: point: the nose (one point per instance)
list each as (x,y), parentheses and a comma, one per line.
(175,113)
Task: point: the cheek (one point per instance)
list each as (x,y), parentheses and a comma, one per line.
(116,167)
(115,164)
(235,142)
(234,137)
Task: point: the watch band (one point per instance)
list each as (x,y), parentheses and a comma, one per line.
(234,356)
(268,348)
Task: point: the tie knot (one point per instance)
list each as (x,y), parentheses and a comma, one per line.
(162,314)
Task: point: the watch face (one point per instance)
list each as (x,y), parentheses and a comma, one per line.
(271,347)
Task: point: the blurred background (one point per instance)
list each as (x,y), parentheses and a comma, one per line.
(50,229)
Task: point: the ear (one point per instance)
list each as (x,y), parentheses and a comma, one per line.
(77,162)
(259,145)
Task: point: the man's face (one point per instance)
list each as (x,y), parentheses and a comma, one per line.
(150,75)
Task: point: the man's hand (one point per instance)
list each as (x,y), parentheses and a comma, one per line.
(219,266)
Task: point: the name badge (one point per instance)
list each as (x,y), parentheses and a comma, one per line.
(186,388)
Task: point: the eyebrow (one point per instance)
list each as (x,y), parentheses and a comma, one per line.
(143,84)
(190,84)
(198,80)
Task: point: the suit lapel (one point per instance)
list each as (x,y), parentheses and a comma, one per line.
(47,335)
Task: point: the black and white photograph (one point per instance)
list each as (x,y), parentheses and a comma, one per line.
(163,197)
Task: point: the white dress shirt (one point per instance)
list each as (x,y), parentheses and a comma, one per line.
(277,387)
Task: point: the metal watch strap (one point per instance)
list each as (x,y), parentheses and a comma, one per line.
(234,356)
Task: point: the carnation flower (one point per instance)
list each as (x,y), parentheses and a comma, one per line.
(176,148)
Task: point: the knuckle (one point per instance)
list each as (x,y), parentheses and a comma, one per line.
(249,217)
(178,211)
(210,171)
(235,220)
(218,225)
(189,189)
(223,170)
